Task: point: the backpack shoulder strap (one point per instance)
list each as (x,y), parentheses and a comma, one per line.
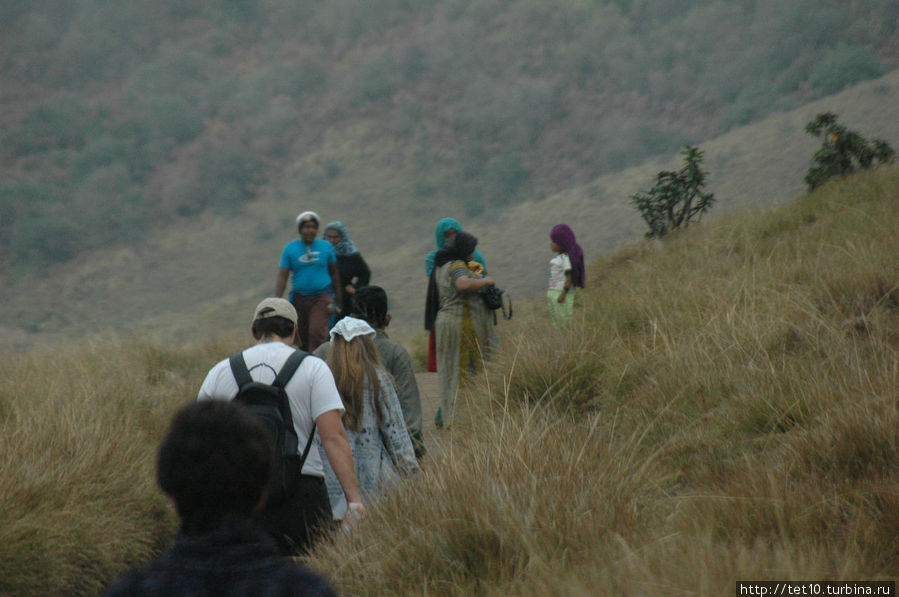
(239,369)
(290,367)
(308,446)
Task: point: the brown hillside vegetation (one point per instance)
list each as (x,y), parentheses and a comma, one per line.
(723,407)
(124,118)
(205,273)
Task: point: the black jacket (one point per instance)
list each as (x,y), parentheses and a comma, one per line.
(353,270)
(237,559)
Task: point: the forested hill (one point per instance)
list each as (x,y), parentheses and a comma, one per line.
(139,138)
(120,117)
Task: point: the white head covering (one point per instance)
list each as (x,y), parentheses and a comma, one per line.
(309,215)
(350,327)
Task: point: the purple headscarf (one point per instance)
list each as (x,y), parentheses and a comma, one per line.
(563,236)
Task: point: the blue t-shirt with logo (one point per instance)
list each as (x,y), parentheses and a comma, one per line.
(309,266)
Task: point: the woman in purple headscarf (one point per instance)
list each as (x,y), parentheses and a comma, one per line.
(566,270)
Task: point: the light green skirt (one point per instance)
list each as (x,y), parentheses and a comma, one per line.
(560,312)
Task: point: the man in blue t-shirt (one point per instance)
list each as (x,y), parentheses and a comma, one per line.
(311,264)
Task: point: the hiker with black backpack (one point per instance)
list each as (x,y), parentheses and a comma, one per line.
(293,394)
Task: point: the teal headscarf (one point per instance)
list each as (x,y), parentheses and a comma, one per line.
(346,246)
(442,227)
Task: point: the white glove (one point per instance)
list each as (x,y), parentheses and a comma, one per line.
(355,512)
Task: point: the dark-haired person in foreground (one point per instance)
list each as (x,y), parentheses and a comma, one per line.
(315,405)
(214,463)
(370,305)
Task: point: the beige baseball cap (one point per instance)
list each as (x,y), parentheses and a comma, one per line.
(275,307)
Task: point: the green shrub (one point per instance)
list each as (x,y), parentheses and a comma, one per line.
(242,11)
(504,177)
(753,101)
(173,117)
(162,122)
(242,98)
(676,197)
(842,151)
(40,31)
(375,80)
(309,76)
(510,109)
(174,70)
(45,238)
(21,201)
(295,77)
(181,9)
(62,122)
(844,66)
(228,176)
(103,39)
(106,151)
(109,208)
(320,173)
(473,204)
(271,129)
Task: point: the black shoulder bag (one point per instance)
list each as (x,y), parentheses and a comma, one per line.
(495,299)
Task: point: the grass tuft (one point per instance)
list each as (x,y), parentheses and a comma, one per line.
(722,407)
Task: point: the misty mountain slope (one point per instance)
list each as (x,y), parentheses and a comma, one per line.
(752,167)
(118,119)
(204,274)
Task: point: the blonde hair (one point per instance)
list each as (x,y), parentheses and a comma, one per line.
(355,364)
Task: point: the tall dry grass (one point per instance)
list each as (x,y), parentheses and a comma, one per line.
(79,426)
(723,407)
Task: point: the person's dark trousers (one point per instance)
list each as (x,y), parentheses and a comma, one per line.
(313,317)
(297,522)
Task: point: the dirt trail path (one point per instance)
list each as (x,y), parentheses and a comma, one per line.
(427,388)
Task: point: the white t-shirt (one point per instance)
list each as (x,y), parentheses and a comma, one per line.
(311,391)
(558,265)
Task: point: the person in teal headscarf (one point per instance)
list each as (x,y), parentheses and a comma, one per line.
(446,228)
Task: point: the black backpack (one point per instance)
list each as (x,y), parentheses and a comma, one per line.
(496,299)
(269,403)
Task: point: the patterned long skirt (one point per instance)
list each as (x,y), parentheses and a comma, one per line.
(461,352)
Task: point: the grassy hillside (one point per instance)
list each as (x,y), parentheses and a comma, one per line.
(205,273)
(722,408)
